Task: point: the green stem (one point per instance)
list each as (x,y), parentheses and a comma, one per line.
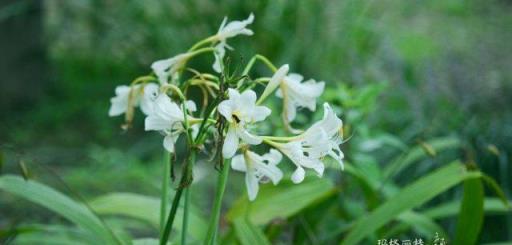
(211,236)
(184,183)
(165,189)
(186,205)
(203,42)
(262,59)
(185,217)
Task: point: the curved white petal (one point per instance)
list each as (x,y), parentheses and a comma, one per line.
(191,105)
(149,97)
(235,28)
(275,80)
(238,163)
(220,52)
(247,137)
(273,157)
(248,99)
(225,108)
(259,113)
(169,142)
(298,175)
(119,103)
(252,184)
(154,122)
(230,143)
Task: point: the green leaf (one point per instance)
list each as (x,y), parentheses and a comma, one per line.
(421,224)
(471,213)
(411,196)
(491,206)
(419,152)
(281,201)
(60,204)
(496,188)
(248,234)
(145,208)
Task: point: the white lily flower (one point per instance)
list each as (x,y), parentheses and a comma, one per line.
(127,96)
(275,81)
(296,94)
(308,149)
(240,110)
(168,67)
(231,29)
(258,169)
(167,117)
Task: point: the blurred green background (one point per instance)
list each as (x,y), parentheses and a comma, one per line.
(439,67)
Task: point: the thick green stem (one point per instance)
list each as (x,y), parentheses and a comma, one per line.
(213,228)
(186,206)
(185,217)
(165,189)
(184,183)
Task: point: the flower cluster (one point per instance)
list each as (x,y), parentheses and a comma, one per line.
(231,111)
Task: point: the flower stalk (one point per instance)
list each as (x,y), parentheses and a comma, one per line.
(213,227)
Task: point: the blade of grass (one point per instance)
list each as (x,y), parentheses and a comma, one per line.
(418,152)
(281,201)
(60,204)
(145,208)
(249,234)
(471,213)
(411,196)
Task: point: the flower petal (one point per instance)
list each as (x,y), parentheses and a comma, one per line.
(155,122)
(149,97)
(248,137)
(190,105)
(275,80)
(230,143)
(259,113)
(225,108)
(298,175)
(251,183)
(238,163)
(169,142)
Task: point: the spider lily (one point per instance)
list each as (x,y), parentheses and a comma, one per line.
(231,29)
(296,94)
(240,110)
(169,67)
(167,117)
(131,96)
(308,149)
(258,169)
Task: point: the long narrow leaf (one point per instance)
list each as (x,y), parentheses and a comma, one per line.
(281,201)
(445,210)
(60,204)
(471,213)
(411,196)
(419,152)
(145,208)
(248,234)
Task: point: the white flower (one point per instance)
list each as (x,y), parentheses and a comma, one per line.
(240,110)
(168,67)
(167,117)
(127,96)
(275,81)
(296,94)
(258,169)
(308,149)
(232,29)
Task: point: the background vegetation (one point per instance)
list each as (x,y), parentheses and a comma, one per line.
(419,84)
